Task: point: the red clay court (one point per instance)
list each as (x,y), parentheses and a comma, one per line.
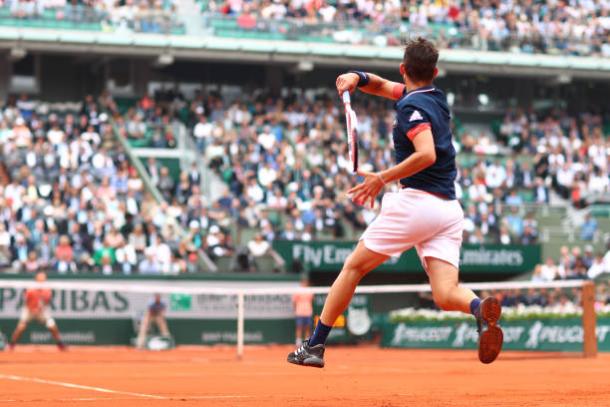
(354,376)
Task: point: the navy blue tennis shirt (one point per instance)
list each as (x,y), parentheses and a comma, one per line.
(421,109)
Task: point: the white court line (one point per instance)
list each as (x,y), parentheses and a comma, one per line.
(105,390)
(226,396)
(80,386)
(63,399)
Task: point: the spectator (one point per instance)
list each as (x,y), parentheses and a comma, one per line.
(5,246)
(597,268)
(166,184)
(150,265)
(588,228)
(546,272)
(126,257)
(65,256)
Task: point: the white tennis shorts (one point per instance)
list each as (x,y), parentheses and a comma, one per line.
(413,218)
(44,317)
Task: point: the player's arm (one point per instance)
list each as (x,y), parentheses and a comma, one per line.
(423,157)
(371,84)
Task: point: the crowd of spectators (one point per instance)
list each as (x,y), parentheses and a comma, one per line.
(138,15)
(575,27)
(288,155)
(71,202)
(551,300)
(574,264)
(570,151)
(560,27)
(75,203)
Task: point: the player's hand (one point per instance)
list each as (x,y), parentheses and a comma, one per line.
(347,81)
(368,189)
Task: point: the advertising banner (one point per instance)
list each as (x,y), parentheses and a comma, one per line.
(330,256)
(556,334)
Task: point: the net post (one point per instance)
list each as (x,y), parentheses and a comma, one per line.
(240,324)
(589,320)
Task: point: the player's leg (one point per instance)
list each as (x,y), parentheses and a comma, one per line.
(52,327)
(298,331)
(24,319)
(446,291)
(162,325)
(307,328)
(19,330)
(144,324)
(450,296)
(357,265)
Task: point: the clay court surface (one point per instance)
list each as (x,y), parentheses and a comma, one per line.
(354,376)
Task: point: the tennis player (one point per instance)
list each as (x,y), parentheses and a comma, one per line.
(36,308)
(424,214)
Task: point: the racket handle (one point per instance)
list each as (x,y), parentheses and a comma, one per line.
(346,97)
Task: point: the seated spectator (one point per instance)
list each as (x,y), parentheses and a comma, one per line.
(65,256)
(588,257)
(546,272)
(217,244)
(137,240)
(150,265)
(106,265)
(105,257)
(515,223)
(166,184)
(511,298)
(32,264)
(588,228)
(597,268)
(534,297)
(259,247)
(5,245)
(126,257)
(513,199)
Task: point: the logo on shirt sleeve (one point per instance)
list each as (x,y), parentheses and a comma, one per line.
(415,116)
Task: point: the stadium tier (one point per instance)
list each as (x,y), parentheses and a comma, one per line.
(275,171)
(539,27)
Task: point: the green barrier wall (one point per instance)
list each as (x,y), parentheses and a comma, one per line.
(330,256)
(560,334)
(184,331)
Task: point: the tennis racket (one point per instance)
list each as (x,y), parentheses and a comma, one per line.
(351,123)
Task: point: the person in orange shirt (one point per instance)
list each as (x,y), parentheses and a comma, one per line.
(303,311)
(36,307)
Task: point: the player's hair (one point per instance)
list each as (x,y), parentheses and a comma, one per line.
(420,59)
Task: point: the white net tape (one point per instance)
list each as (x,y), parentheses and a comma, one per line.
(199,288)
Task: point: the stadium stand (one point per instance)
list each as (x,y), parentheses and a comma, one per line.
(138,16)
(574,28)
(282,161)
(527,175)
(74,204)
